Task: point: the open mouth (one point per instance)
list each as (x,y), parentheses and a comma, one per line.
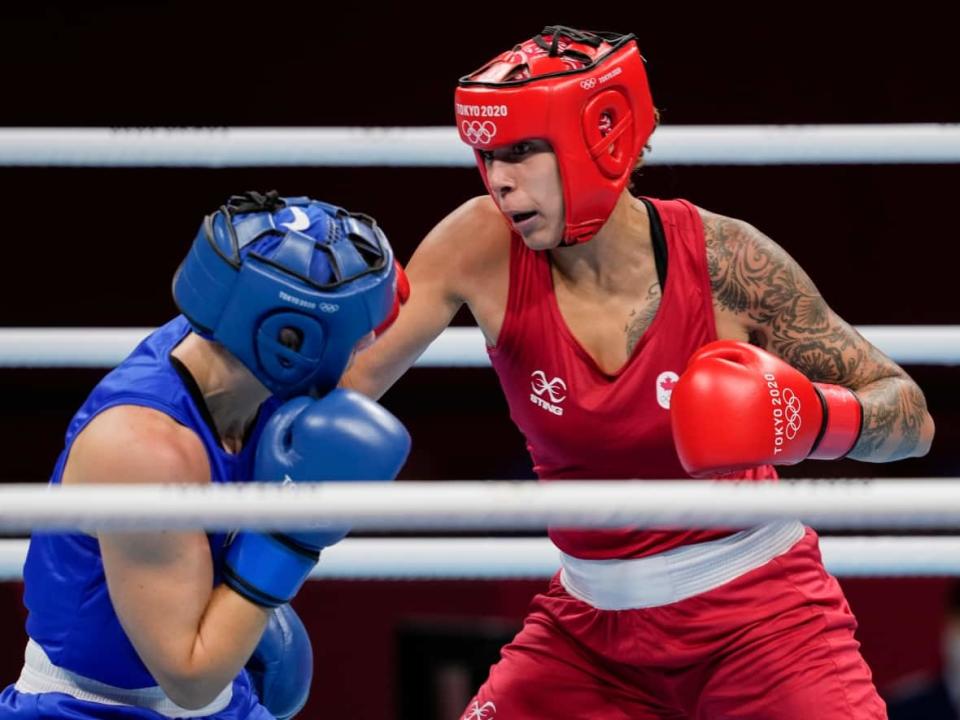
(520,217)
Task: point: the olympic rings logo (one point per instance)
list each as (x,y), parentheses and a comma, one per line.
(791,413)
(588,83)
(477,132)
(328,307)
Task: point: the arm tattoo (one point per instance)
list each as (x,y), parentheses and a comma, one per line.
(641,317)
(896,412)
(782,310)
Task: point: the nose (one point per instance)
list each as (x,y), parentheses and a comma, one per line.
(501,177)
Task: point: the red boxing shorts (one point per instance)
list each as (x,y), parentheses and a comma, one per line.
(773,643)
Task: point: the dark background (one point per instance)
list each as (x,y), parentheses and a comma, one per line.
(97,247)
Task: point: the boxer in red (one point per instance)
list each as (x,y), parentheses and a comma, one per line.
(644,338)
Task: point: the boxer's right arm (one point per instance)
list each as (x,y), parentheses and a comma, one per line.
(443,274)
(193,638)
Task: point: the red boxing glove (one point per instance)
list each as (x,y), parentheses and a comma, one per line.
(402,295)
(737,406)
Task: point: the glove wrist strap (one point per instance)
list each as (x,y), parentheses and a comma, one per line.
(842,422)
(267,569)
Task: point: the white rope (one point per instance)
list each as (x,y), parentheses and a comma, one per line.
(918,503)
(497,558)
(456,346)
(537,558)
(440,146)
(13,553)
(68,347)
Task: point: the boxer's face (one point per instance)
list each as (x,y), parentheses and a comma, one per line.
(525,182)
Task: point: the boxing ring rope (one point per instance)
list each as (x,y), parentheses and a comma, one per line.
(919,503)
(456,347)
(537,558)
(490,505)
(440,146)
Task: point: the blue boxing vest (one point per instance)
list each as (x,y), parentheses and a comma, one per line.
(70,613)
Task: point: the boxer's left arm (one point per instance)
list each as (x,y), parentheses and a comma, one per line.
(762,295)
(193,637)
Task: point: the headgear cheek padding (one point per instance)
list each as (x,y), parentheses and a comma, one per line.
(586,94)
(288,286)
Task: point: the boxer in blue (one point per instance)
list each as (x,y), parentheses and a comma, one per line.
(276,294)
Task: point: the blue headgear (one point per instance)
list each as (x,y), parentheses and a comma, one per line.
(288,285)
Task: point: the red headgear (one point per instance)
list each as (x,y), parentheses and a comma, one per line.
(586,94)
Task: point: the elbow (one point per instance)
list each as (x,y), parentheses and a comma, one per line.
(927,431)
(190,693)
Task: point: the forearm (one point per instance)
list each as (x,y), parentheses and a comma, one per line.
(896,423)
(193,637)
(377,368)
(226,636)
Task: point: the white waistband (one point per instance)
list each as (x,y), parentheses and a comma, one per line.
(675,574)
(39,675)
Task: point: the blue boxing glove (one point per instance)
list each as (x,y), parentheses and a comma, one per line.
(281,667)
(341,436)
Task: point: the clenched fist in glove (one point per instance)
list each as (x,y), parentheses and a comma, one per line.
(341,437)
(736,406)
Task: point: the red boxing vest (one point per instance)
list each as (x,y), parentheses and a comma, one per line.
(582,423)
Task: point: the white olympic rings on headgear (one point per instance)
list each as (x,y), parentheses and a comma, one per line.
(478,131)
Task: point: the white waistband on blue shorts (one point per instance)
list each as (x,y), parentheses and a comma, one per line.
(675,574)
(39,675)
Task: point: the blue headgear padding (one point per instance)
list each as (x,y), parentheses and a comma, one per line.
(288,285)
